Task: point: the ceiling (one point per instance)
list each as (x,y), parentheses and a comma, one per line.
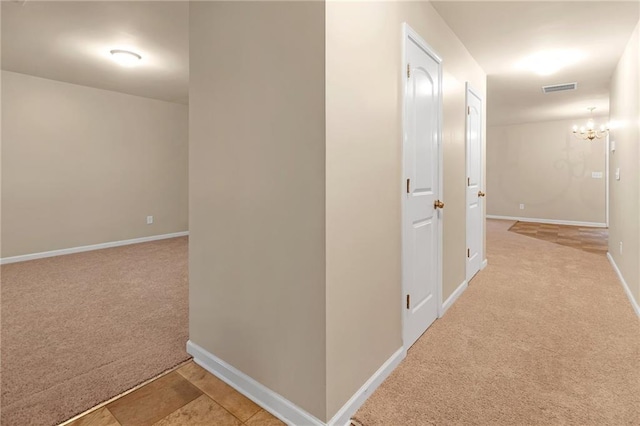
(587,37)
(71,41)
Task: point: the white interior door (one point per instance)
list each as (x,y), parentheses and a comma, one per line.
(421,188)
(475,195)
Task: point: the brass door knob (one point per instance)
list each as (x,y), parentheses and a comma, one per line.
(481,194)
(438,204)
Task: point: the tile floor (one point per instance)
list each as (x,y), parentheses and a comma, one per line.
(592,240)
(189,396)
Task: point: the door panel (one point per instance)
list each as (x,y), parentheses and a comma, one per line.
(423,232)
(474,183)
(421,161)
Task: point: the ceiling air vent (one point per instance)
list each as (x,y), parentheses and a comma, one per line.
(559,87)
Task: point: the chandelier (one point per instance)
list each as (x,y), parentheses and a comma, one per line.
(590,132)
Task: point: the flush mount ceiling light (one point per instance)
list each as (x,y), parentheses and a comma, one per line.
(125,58)
(589,131)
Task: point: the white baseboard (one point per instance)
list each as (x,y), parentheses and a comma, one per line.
(81,249)
(343,416)
(550,221)
(271,401)
(278,405)
(484,264)
(454,296)
(634,303)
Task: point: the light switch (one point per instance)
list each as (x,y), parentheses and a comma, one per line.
(618,173)
(596,175)
(612,145)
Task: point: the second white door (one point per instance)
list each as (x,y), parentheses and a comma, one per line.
(475,195)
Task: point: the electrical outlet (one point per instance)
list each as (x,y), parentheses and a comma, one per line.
(149,220)
(620,247)
(521,206)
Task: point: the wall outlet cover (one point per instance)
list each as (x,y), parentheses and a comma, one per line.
(149,220)
(521,206)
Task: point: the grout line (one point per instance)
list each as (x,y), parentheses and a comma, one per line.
(252,416)
(114,417)
(125,393)
(182,406)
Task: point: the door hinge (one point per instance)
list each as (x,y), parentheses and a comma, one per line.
(468,110)
(408,300)
(408,70)
(408,186)
(468,252)
(468,181)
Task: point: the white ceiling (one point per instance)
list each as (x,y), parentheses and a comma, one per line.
(70,41)
(500,35)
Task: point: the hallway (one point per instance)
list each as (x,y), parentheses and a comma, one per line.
(544,335)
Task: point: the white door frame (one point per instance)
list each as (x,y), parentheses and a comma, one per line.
(607,147)
(468,88)
(409,34)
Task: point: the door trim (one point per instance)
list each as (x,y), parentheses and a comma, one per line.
(607,147)
(469,89)
(409,34)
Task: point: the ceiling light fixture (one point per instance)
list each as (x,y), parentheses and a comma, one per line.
(590,132)
(125,58)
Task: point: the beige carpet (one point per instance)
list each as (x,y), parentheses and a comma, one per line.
(545,335)
(82,328)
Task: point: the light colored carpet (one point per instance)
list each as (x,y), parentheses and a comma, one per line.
(82,328)
(545,335)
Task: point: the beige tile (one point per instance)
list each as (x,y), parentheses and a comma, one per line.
(239,405)
(526,231)
(548,226)
(263,418)
(592,240)
(154,401)
(101,417)
(202,411)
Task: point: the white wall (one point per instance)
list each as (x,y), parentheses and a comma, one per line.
(625,193)
(543,166)
(84,166)
(257,181)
